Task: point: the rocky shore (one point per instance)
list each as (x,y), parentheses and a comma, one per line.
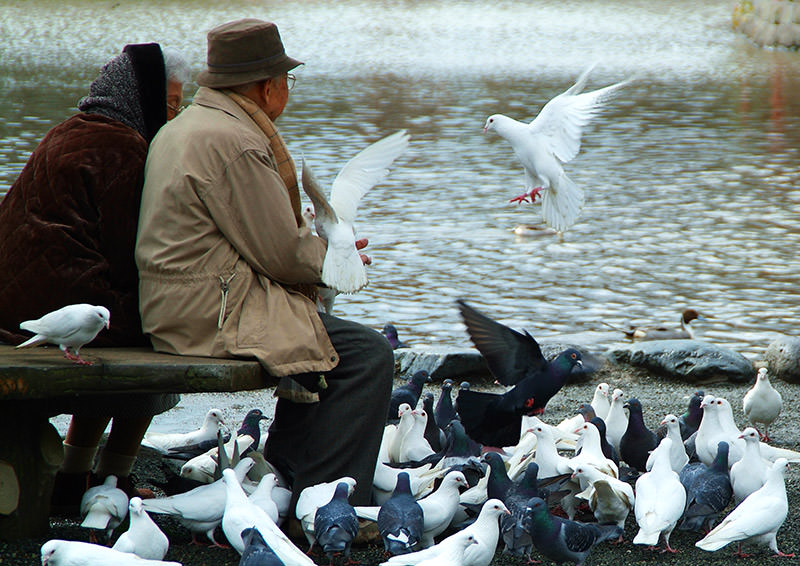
(658,396)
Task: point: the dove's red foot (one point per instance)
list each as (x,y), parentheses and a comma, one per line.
(351,562)
(525,196)
(783,555)
(670,550)
(76,359)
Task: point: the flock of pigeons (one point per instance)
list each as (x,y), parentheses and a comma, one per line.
(444,496)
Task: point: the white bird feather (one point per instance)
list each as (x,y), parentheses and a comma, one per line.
(69,327)
(342,268)
(551,139)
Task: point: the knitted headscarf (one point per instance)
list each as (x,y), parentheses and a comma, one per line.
(131,88)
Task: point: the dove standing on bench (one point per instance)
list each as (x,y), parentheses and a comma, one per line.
(72,327)
(551,139)
(343,268)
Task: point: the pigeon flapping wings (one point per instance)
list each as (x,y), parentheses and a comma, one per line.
(342,268)
(553,138)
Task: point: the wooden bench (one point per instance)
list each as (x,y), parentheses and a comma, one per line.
(30,447)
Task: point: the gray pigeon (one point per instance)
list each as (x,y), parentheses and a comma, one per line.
(336,524)
(400,519)
(408,393)
(708,494)
(562,540)
(256,550)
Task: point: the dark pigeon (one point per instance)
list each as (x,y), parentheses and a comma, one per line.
(400,520)
(256,550)
(499,483)
(690,472)
(433,434)
(638,441)
(512,527)
(444,410)
(562,540)
(708,494)
(513,359)
(608,449)
(408,393)
(336,524)
(391,335)
(690,420)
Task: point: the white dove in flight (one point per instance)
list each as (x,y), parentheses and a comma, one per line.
(551,139)
(69,327)
(342,268)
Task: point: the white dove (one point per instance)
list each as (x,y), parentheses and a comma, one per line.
(454,552)
(565,440)
(757,518)
(262,496)
(202,467)
(617,419)
(610,499)
(164,441)
(600,401)
(200,510)
(312,498)
(143,537)
(677,456)
(414,446)
(553,138)
(421,479)
(550,462)
(660,500)
(68,327)
(762,403)
(57,552)
(342,268)
(104,507)
(241,513)
(592,452)
(750,472)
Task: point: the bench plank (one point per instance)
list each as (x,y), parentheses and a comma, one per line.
(40,373)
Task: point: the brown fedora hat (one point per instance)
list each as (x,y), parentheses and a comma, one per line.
(244,51)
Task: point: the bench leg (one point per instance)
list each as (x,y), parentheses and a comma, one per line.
(31,452)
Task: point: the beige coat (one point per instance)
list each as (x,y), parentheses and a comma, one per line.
(218,242)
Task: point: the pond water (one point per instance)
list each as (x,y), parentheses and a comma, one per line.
(691,174)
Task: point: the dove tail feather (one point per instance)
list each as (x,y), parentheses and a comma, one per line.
(562,203)
(345,274)
(649,538)
(31,342)
(96,519)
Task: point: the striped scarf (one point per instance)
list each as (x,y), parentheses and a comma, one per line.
(286,168)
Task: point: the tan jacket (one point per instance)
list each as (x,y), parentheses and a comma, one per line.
(218,242)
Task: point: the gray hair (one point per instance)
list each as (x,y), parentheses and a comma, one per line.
(176,66)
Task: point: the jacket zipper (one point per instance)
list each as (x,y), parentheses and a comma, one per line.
(224,287)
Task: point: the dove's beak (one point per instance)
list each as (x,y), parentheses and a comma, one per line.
(485,129)
(108,325)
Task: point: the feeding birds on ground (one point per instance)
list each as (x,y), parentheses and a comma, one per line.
(143,538)
(70,327)
(343,268)
(550,140)
(104,507)
(166,441)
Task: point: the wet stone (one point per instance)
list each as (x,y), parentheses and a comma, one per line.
(783,358)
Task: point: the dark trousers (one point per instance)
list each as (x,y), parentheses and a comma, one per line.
(341,435)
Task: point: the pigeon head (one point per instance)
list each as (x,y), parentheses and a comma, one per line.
(750,435)
(567,360)
(403,485)
(104,315)
(670,420)
(634,406)
(464,386)
(343,491)
(135,506)
(762,375)
(252,537)
(447,385)
(537,515)
(721,459)
(586,410)
(495,123)
(250,423)
(420,378)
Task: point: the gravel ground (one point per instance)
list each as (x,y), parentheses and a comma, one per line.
(658,398)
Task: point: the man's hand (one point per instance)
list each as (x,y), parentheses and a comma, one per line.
(360,245)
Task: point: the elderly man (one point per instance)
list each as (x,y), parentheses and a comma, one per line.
(228,267)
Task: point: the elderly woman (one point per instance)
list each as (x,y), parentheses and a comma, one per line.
(67,235)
